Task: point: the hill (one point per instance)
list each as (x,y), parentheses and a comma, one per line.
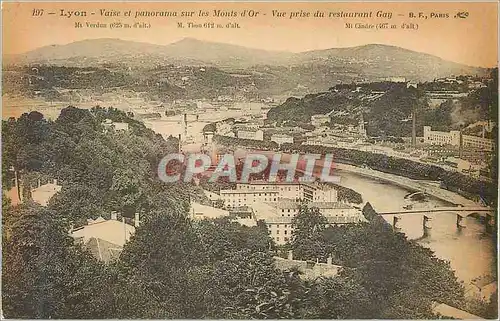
(315,68)
(186,51)
(387,106)
(378,61)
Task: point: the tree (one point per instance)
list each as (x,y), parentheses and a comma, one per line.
(246,285)
(44,274)
(162,257)
(340,298)
(308,239)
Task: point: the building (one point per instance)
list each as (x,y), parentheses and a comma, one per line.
(278,203)
(282,138)
(453,138)
(121,126)
(43,193)
(411,84)
(237,198)
(395,79)
(449,312)
(318,193)
(321,141)
(249,133)
(247,194)
(199,211)
(287,208)
(110,125)
(338,213)
(285,190)
(318,120)
(441,138)
(309,270)
(281,228)
(105,238)
(469,141)
(213,197)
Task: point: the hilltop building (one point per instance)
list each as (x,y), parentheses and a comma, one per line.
(117,126)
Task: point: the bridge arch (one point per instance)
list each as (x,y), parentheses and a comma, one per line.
(475,214)
(417,193)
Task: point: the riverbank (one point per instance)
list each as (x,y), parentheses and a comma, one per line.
(410,184)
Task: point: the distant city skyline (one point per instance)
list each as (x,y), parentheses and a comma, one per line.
(471,41)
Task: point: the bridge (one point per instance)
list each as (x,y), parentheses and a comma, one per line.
(462,211)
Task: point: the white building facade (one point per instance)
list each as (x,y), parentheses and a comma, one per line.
(282,139)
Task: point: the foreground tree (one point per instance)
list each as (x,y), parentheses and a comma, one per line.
(44,274)
(308,241)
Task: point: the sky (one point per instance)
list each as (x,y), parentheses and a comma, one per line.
(472,41)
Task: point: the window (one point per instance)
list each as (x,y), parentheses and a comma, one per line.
(278,232)
(286,232)
(277,239)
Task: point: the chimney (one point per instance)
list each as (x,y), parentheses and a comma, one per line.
(55,181)
(114,216)
(329,260)
(124,229)
(290,255)
(460,146)
(18,186)
(413,130)
(39,182)
(136,220)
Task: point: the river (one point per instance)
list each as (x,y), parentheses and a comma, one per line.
(469,250)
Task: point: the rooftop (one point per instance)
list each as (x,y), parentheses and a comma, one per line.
(111,231)
(261,182)
(326,205)
(449,311)
(44,193)
(246,191)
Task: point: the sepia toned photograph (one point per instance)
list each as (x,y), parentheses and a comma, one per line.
(249,160)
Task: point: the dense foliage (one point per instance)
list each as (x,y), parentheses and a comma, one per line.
(174,267)
(401,277)
(389,114)
(100,170)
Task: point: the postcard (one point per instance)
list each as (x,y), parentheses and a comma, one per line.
(249,160)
